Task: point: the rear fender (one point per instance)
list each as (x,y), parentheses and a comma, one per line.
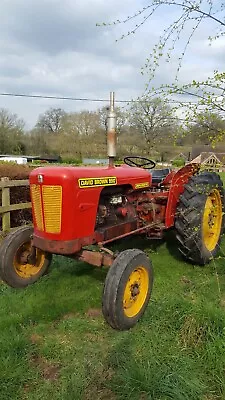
(178,181)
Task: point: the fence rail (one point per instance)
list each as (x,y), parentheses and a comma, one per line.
(6,207)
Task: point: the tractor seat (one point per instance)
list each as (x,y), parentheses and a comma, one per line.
(159,174)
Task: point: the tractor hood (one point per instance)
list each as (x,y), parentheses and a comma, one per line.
(65,199)
(90,177)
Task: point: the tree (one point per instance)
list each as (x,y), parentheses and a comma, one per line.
(121,118)
(208,96)
(83,123)
(38,142)
(12,138)
(184,22)
(51,120)
(188,15)
(91,138)
(208,128)
(153,119)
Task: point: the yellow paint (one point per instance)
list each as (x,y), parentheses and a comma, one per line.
(26,270)
(52,208)
(141,185)
(36,202)
(212,220)
(93,182)
(136,291)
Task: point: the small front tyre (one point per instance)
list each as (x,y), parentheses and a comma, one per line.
(127,289)
(15,268)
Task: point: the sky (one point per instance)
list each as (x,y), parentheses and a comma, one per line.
(53,47)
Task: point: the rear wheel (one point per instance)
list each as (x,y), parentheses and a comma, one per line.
(200,217)
(17,268)
(127,289)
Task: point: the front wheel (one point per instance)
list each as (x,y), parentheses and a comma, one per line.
(127,289)
(16,269)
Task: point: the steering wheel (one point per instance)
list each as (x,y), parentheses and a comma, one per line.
(140,162)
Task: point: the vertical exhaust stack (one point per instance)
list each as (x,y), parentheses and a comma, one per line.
(111,131)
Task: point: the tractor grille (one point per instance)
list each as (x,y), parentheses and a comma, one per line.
(48,219)
(52,204)
(36,199)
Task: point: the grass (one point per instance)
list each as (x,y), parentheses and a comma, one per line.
(55,344)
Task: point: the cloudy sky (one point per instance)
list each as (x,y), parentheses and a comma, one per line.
(53,47)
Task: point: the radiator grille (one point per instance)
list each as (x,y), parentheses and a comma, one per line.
(36,201)
(52,207)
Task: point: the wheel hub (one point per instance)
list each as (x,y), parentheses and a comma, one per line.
(23,258)
(28,260)
(212,220)
(135,291)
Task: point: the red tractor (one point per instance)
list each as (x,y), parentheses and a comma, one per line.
(78,211)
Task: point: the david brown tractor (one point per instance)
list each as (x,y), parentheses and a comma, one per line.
(78,211)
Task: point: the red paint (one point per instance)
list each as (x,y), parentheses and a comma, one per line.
(79,205)
(122,211)
(176,188)
(149,211)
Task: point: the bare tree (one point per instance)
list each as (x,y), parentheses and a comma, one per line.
(153,119)
(12,139)
(38,143)
(121,118)
(83,134)
(10,121)
(85,123)
(51,120)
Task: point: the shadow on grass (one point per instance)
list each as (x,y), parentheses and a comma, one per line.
(66,266)
(172,245)
(73,267)
(152,245)
(137,242)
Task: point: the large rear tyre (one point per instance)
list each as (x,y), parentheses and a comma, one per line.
(15,268)
(127,289)
(200,218)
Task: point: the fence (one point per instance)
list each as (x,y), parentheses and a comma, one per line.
(6,207)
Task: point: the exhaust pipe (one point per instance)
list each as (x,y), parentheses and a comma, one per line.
(111,131)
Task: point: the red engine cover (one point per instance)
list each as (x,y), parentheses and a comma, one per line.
(81,189)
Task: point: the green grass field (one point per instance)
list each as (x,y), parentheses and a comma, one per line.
(56,345)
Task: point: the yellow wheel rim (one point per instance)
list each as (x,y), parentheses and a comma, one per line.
(212,220)
(24,269)
(136,291)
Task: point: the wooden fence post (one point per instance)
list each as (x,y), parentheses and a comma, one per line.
(5,202)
